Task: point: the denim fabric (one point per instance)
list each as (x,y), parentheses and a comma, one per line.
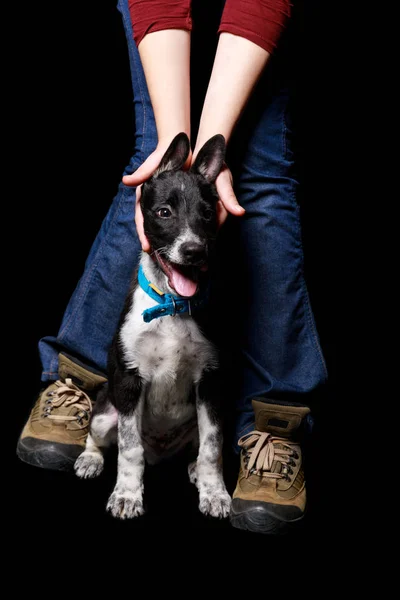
(270,331)
(271,328)
(92,314)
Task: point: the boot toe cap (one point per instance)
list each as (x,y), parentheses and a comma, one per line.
(264,517)
(47,454)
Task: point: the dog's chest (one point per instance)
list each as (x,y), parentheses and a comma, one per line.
(170,353)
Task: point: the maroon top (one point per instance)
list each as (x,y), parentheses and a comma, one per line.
(260,21)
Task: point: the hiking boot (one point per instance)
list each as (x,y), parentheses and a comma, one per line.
(270,495)
(55,433)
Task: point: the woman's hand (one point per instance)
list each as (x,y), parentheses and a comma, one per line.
(139,222)
(144,172)
(227,202)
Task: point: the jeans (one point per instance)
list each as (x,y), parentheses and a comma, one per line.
(269,327)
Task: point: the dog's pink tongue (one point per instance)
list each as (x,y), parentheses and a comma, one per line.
(182,285)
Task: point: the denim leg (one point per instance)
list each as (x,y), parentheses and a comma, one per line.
(271,321)
(93,312)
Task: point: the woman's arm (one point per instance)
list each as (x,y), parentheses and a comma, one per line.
(238,65)
(239,61)
(165,57)
(249,32)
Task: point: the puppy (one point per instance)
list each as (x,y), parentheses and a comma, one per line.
(162,391)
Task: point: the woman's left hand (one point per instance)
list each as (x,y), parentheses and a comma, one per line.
(227,202)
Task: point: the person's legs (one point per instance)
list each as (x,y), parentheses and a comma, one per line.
(92,314)
(279,360)
(280,349)
(270,320)
(74,362)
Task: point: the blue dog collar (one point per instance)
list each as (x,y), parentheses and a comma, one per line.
(168,304)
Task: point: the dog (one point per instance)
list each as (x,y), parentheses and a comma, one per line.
(162,393)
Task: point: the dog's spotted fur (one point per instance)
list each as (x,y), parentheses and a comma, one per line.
(161,394)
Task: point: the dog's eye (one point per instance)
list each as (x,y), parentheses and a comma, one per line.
(164,213)
(208,214)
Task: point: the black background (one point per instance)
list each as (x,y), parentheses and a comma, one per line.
(72,138)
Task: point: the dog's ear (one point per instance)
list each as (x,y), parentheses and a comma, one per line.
(210,159)
(176,155)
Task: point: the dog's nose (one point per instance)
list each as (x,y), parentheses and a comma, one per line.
(193,252)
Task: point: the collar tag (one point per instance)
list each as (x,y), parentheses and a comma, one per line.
(167,304)
(155,288)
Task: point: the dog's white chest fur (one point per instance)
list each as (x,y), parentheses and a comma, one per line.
(170,354)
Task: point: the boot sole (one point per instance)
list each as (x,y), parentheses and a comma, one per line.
(259,520)
(48,455)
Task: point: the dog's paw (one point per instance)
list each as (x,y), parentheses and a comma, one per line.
(89,465)
(216,503)
(192,472)
(125,505)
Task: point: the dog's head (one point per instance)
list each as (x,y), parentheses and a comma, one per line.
(179,212)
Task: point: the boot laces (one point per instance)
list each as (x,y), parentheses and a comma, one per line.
(263,451)
(68,394)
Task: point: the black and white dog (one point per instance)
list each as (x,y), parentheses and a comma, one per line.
(161,394)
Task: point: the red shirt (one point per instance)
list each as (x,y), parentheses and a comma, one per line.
(260,21)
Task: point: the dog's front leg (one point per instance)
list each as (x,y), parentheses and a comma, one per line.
(126,501)
(208,475)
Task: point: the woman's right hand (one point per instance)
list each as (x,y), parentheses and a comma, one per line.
(144,172)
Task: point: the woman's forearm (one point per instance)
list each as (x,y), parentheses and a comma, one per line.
(249,31)
(237,67)
(165,56)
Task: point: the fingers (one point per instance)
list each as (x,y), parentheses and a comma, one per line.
(227,203)
(139,222)
(145,171)
(227,196)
